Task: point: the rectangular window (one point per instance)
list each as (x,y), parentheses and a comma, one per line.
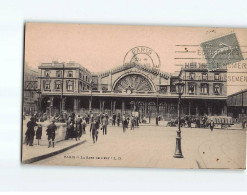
(204,76)
(47,85)
(192,76)
(70,85)
(70,74)
(173,89)
(58,85)
(204,88)
(216,76)
(86,78)
(191,89)
(59,73)
(217,89)
(47,73)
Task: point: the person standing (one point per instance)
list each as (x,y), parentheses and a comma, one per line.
(39,133)
(84,124)
(243,124)
(132,121)
(104,125)
(211,125)
(124,123)
(51,132)
(118,119)
(78,127)
(157,120)
(94,129)
(30,131)
(87,118)
(114,119)
(71,132)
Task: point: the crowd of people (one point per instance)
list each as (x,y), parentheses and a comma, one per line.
(76,125)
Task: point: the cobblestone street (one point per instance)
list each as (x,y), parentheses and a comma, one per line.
(151,146)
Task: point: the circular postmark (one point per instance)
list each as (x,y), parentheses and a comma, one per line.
(143,56)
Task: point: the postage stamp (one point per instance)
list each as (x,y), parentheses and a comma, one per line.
(222,51)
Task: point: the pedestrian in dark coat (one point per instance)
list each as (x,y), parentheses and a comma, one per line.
(30,131)
(118,119)
(51,132)
(104,125)
(83,125)
(132,121)
(157,120)
(39,133)
(211,125)
(124,123)
(78,127)
(87,118)
(94,129)
(114,116)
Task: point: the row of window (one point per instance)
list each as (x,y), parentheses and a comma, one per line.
(204,76)
(58,85)
(69,74)
(69,85)
(204,89)
(58,73)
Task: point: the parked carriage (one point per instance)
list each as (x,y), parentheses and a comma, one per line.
(221,121)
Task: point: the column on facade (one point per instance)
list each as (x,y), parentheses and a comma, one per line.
(90,104)
(209,109)
(75,104)
(103,105)
(145,108)
(63,104)
(224,109)
(189,106)
(100,106)
(197,110)
(111,108)
(123,107)
(51,105)
(114,106)
(79,104)
(169,109)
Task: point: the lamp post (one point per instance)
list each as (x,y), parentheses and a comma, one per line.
(180,90)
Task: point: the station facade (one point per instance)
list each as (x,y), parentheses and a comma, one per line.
(69,87)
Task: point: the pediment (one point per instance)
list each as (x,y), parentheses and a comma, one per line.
(135,68)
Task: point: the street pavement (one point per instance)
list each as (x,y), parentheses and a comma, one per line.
(154,146)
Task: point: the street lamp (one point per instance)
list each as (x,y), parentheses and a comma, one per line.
(180,90)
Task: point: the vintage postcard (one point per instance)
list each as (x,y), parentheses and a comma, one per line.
(134,96)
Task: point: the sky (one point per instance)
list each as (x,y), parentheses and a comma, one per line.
(103,47)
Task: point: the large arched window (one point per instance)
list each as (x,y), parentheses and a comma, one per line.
(135,82)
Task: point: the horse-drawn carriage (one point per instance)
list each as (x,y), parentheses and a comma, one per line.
(221,121)
(203,122)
